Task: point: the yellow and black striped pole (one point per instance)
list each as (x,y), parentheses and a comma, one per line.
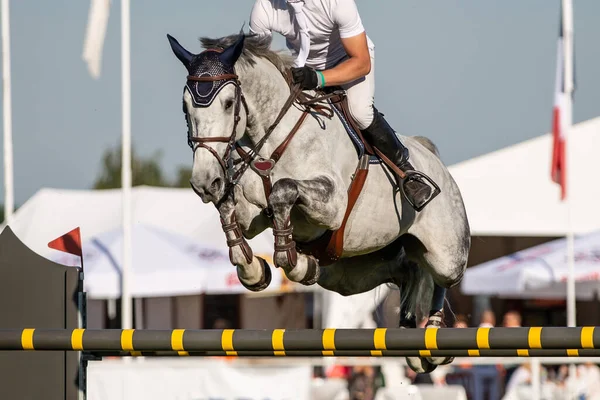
(363,353)
(325,342)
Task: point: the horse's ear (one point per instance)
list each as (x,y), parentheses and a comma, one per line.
(231,54)
(182,54)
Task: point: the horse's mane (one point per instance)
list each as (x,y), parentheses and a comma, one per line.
(254,46)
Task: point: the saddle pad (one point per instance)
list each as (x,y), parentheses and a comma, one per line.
(358,145)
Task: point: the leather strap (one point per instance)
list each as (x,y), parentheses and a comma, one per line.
(343,105)
(329,247)
(211,78)
(238,240)
(390,164)
(289,245)
(209,139)
(276,155)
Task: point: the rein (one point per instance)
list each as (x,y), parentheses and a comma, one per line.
(261,166)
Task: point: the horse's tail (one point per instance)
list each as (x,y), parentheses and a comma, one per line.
(417,290)
(429,145)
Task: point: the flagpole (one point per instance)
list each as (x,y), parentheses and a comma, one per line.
(7,114)
(126,312)
(567,21)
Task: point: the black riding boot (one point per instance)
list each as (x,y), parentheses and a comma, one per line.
(381,135)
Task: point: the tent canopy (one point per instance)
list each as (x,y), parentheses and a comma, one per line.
(509,192)
(164,264)
(51,213)
(539,272)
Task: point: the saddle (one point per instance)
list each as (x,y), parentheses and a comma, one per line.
(337,99)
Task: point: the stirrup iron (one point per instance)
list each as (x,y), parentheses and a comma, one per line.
(417,175)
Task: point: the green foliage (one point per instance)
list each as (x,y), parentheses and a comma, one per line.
(182,179)
(145,171)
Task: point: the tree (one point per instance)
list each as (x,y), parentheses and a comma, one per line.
(145,171)
(182,179)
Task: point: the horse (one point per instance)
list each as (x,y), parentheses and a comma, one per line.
(268,155)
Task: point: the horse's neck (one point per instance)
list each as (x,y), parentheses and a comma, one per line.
(266,92)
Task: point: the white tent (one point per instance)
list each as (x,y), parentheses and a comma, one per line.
(164,264)
(539,272)
(509,192)
(51,213)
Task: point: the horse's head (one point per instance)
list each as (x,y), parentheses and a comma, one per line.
(212,104)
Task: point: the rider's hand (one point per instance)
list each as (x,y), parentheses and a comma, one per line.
(306,77)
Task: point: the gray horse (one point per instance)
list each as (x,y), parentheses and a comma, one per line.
(270,156)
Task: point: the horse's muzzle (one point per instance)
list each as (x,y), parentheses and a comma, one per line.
(209,193)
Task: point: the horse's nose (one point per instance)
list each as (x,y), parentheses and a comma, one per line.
(208,192)
(197,189)
(215,186)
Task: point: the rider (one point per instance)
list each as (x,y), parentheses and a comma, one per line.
(332,49)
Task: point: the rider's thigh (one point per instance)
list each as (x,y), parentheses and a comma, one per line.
(361,94)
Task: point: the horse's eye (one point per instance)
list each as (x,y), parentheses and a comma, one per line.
(228,104)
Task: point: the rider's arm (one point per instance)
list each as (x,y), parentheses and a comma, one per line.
(354,40)
(356,66)
(260,23)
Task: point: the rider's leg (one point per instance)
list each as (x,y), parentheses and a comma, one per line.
(380,134)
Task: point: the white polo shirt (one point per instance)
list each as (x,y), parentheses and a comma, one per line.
(328,22)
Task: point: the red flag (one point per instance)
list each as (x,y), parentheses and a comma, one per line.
(69,242)
(558,169)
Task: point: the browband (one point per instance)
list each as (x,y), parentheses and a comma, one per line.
(212,78)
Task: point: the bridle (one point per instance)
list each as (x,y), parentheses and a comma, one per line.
(226,161)
(251,158)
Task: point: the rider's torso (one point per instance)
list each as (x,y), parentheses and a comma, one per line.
(326,49)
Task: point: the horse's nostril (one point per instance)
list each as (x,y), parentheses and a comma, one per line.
(215,185)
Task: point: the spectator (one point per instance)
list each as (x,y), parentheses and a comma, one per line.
(461,322)
(522,376)
(487,377)
(488,319)
(512,319)
(588,381)
(221,323)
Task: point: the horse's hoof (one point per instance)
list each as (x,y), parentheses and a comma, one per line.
(436,320)
(447,361)
(265,279)
(420,365)
(440,360)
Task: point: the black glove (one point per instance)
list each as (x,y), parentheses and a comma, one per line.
(306,77)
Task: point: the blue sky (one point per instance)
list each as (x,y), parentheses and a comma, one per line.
(472,75)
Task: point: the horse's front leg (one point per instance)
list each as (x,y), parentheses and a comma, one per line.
(314,195)
(253,272)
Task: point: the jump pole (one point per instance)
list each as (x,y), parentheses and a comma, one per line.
(232,341)
(542,353)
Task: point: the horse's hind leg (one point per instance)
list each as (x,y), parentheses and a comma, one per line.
(415,285)
(446,262)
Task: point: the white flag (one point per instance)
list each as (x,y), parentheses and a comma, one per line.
(94,37)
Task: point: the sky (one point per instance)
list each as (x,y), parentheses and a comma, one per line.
(472,75)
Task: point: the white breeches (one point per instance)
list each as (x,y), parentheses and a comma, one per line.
(361,94)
